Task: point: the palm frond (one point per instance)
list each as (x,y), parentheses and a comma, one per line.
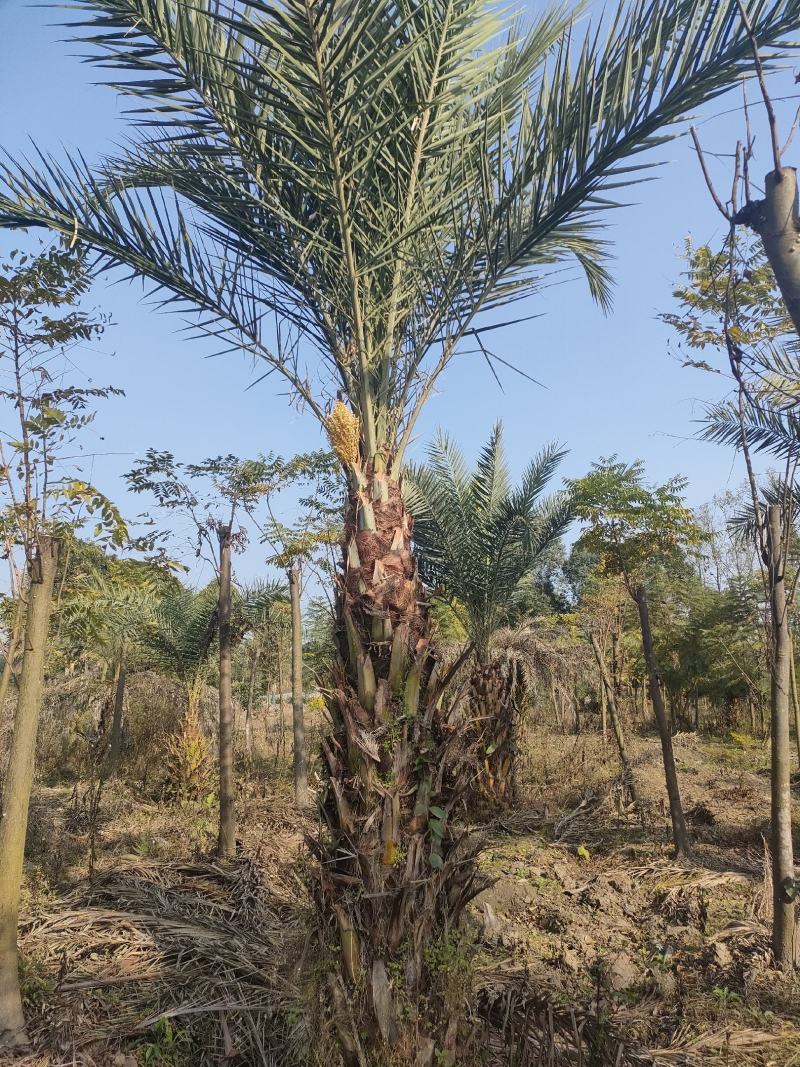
(477,538)
(374,174)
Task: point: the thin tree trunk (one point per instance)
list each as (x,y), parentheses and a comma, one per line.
(795,701)
(115,748)
(11,654)
(280,742)
(781,800)
(616,662)
(248,721)
(679,834)
(227,784)
(18,783)
(603,709)
(298,724)
(616,724)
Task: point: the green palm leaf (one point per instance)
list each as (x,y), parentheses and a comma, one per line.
(477,537)
(374,174)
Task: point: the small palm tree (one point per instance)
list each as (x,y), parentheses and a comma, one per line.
(180,638)
(477,539)
(253,611)
(477,536)
(379,176)
(104,614)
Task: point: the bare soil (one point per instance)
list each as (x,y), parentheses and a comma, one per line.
(590,938)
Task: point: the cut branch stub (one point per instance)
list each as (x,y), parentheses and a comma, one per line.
(776,219)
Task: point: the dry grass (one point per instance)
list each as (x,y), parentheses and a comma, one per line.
(199,944)
(167,957)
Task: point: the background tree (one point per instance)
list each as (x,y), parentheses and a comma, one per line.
(632,527)
(377,176)
(200,491)
(255,606)
(735,305)
(102,615)
(180,640)
(40,322)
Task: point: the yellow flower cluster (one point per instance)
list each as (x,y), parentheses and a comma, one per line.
(343,431)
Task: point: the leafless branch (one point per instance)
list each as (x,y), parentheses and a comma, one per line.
(703,166)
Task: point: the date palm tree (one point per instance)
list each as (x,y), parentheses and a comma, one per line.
(477,538)
(355,191)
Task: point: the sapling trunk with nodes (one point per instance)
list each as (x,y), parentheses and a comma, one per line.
(19,780)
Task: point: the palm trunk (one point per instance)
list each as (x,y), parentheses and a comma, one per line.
(392,878)
(18,783)
(227,784)
(115,748)
(679,834)
(781,799)
(491,734)
(300,759)
(616,724)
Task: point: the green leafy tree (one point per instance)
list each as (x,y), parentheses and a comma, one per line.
(377,176)
(632,527)
(41,321)
(178,642)
(102,614)
(214,494)
(762,417)
(254,612)
(310,544)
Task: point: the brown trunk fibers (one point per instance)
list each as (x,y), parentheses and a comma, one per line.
(395,869)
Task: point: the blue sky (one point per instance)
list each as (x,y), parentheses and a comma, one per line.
(611,383)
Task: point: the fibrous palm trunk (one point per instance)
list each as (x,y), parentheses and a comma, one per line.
(395,874)
(490,731)
(18,782)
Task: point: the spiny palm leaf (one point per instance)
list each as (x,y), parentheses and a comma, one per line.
(477,537)
(181,633)
(768,429)
(374,173)
(105,611)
